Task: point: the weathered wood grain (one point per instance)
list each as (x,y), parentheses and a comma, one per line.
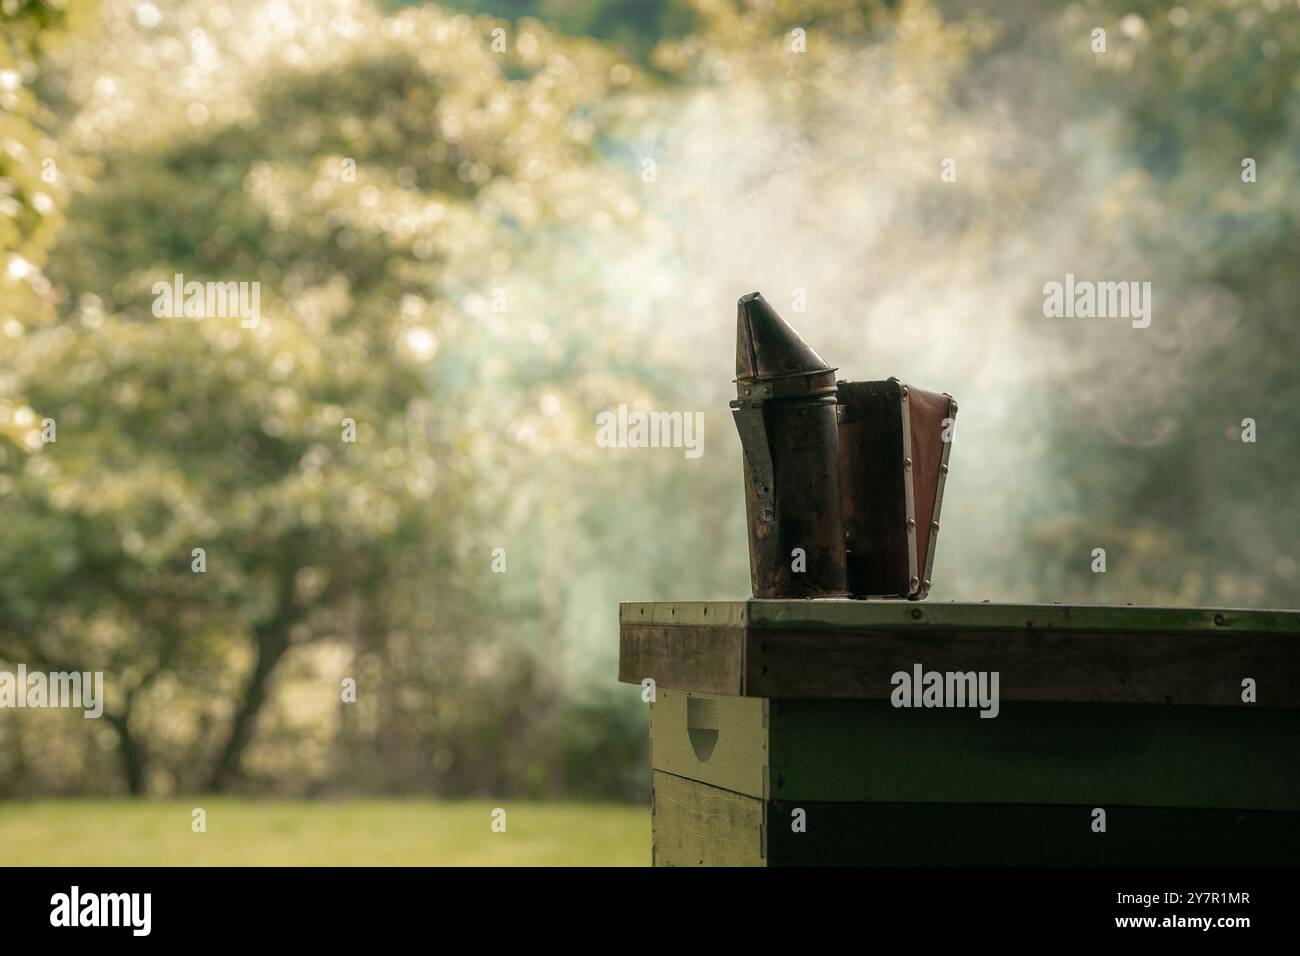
(840,614)
(707,659)
(699,825)
(1193,656)
(685,613)
(1093,667)
(725,747)
(924,615)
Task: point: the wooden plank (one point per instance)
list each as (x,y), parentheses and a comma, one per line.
(1192,669)
(721,741)
(1194,656)
(846,615)
(685,613)
(1136,755)
(706,659)
(918,615)
(892,834)
(699,825)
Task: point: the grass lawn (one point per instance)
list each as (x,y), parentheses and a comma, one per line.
(321,833)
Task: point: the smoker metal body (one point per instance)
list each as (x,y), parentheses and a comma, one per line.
(785,412)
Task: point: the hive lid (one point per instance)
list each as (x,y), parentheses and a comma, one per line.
(767,347)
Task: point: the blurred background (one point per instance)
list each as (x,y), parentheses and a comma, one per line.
(476,226)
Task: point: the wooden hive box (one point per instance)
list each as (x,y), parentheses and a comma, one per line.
(774,740)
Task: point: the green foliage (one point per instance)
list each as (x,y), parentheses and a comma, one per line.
(632,25)
(34,167)
(1202,517)
(175,434)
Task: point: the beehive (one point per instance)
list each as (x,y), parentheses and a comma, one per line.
(774,739)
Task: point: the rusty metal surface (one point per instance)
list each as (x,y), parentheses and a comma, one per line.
(768,348)
(893,467)
(873,489)
(785,415)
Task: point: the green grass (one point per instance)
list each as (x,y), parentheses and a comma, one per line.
(321,833)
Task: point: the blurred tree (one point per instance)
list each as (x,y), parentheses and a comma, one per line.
(632,25)
(34,168)
(377,177)
(1185,95)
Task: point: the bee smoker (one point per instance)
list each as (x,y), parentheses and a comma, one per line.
(785,412)
(843,480)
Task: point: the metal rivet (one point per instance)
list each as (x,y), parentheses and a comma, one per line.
(911,523)
(904,391)
(1218,619)
(927,584)
(914,584)
(943,469)
(934,526)
(952,407)
(907,463)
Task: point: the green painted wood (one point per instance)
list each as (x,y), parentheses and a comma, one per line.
(920,834)
(1136,755)
(718,740)
(699,825)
